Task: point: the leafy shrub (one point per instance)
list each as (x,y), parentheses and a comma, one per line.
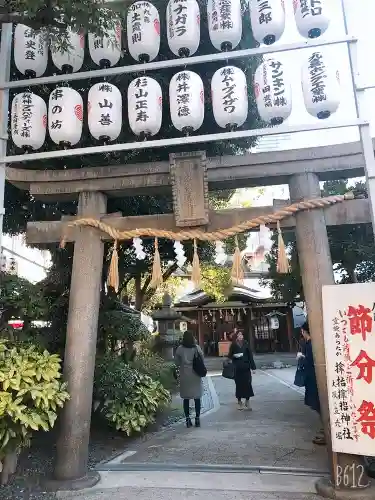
(119,325)
(126,397)
(153,365)
(30,393)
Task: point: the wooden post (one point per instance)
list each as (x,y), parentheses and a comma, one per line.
(80,348)
(316,266)
(200,329)
(289,327)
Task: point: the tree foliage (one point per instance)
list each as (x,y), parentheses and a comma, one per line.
(20,299)
(352,252)
(216,281)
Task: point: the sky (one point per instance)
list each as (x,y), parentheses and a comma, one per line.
(360,16)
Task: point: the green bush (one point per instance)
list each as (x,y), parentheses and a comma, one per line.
(127,398)
(153,365)
(119,325)
(30,393)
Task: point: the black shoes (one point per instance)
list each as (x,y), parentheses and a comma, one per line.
(190,424)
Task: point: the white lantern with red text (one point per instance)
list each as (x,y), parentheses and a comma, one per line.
(28,121)
(143,28)
(145,106)
(186,101)
(273,92)
(65,116)
(30,51)
(312,17)
(183,27)
(224,23)
(105,50)
(320,86)
(71,59)
(229,97)
(267,20)
(104,107)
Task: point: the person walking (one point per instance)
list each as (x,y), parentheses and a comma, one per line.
(243,363)
(190,382)
(311,386)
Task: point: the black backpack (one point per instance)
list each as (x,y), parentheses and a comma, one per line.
(198,365)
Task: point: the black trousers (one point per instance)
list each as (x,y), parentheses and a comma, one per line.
(187,407)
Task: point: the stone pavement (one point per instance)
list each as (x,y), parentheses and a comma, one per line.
(264,454)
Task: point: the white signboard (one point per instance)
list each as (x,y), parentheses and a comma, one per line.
(349,335)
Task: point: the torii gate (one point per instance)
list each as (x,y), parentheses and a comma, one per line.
(188,179)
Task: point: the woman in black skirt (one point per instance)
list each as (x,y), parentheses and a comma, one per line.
(243,363)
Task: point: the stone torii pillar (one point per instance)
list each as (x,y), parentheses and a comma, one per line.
(80,350)
(316,265)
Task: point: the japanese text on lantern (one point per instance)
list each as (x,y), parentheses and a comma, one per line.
(26,114)
(33,44)
(265,11)
(141,14)
(183,94)
(141,103)
(221,16)
(350,353)
(105,105)
(278,84)
(15,117)
(318,74)
(311,7)
(56,108)
(181,14)
(229,90)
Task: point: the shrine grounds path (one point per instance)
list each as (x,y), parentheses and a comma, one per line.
(266,454)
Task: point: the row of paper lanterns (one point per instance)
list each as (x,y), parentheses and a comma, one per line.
(183,32)
(229,94)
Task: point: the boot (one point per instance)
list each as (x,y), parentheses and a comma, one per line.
(247,406)
(240,405)
(197,422)
(189,423)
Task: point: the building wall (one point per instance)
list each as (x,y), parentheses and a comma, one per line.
(29,263)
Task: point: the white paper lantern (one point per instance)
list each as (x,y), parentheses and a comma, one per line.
(321,86)
(143,28)
(273,92)
(71,60)
(145,106)
(65,116)
(229,97)
(312,17)
(105,51)
(30,51)
(224,23)
(28,121)
(186,101)
(104,108)
(183,27)
(267,20)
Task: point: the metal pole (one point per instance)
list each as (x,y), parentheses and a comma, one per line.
(175,63)
(361,109)
(192,139)
(5,55)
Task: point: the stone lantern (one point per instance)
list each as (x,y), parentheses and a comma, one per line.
(168,326)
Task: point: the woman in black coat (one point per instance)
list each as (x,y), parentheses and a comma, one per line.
(243,363)
(311,387)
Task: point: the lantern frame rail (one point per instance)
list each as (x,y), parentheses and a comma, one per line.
(158,143)
(175,63)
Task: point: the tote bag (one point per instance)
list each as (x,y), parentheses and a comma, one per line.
(228,369)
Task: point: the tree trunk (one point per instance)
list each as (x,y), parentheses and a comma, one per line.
(138,292)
